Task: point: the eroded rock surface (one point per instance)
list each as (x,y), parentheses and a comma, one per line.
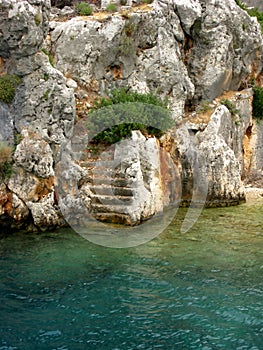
(39,119)
(189,51)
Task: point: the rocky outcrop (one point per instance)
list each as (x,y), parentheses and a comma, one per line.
(38,120)
(189,51)
(124,184)
(211,154)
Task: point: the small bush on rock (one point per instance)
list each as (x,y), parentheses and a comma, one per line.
(231,107)
(111,8)
(8,85)
(257,104)
(84,9)
(114,118)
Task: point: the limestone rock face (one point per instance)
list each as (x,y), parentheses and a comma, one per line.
(6,124)
(226,50)
(185,49)
(219,163)
(23,27)
(124,185)
(41,115)
(188,51)
(28,156)
(45,104)
(212,160)
(140,52)
(253,154)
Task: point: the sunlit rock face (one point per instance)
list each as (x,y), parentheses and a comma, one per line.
(38,120)
(128,183)
(189,51)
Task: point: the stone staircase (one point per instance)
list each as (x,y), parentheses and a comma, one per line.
(111,191)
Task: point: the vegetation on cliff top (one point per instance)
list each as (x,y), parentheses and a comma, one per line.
(115,117)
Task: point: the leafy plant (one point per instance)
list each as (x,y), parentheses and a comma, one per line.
(84,9)
(50,57)
(8,85)
(115,117)
(126,47)
(5,161)
(111,8)
(38,19)
(241,5)
(203,107)
(231,107)
(257,104)
(46,95)
(253,12)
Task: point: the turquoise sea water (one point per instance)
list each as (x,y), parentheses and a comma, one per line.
(199,290)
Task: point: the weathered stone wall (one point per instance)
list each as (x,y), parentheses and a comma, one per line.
(190,51)
(39,119)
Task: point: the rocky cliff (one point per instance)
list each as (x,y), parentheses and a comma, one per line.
(202,55)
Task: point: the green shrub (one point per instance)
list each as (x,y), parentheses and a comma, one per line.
(114,118)
(5,161)
(50,57)
(204,107)
(38,19)
(147,1)
(111,8)
(8,85)
(253,12)
(241,4)
(231,107)
(84,9)
(257,104)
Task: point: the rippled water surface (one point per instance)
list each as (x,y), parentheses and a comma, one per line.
(199,290)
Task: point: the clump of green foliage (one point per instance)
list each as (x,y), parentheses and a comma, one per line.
(257,104)
(203,107)
(128,39)
(111,8)
(49,55)
(253,12)
(231,107)
(147,1)
(8,85)
(114,118)
(5,161)
(38,19)
(46,95)
(84,9)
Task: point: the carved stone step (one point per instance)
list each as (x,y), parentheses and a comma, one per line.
(115,182)
(110,200)
(112,191)
(114,218)
(104,208)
